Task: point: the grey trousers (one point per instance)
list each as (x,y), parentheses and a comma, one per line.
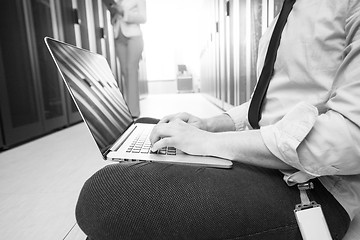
(129,51)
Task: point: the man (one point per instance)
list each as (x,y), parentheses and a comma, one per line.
(309,130)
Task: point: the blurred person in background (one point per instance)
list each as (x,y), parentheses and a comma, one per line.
(126,17)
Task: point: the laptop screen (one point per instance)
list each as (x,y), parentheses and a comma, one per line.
(94,90)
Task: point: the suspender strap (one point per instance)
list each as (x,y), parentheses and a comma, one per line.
(305,201)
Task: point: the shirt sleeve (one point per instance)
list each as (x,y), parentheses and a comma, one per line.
(328,143)
(136,14)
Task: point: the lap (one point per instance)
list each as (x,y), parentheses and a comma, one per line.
(165,201)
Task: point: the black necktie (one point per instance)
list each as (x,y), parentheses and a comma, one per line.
(254,114)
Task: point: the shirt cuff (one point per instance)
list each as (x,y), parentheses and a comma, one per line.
(239,116)
(284,137)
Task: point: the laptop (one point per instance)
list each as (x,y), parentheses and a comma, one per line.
(97,96)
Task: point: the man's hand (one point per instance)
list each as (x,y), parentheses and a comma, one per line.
(181,135)
(186,117)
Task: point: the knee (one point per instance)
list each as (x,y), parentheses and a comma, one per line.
(93,209)
(108,205)
(86,209)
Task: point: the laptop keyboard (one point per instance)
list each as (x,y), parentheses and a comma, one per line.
(141,144)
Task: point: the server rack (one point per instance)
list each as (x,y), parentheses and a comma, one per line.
(232,48)
(33,98)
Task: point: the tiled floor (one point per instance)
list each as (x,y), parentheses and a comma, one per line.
(40,180)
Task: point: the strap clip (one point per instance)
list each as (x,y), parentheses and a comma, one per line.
(305,186)
(305,201)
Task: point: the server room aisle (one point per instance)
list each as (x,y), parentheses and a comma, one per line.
(40,180)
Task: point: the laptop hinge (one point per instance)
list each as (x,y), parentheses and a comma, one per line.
(122,139)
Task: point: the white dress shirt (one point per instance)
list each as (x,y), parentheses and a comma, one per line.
(134,15)
(311,113)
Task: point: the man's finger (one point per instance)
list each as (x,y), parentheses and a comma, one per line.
(164,142)
(161,130)
(167,118)
(183,116)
